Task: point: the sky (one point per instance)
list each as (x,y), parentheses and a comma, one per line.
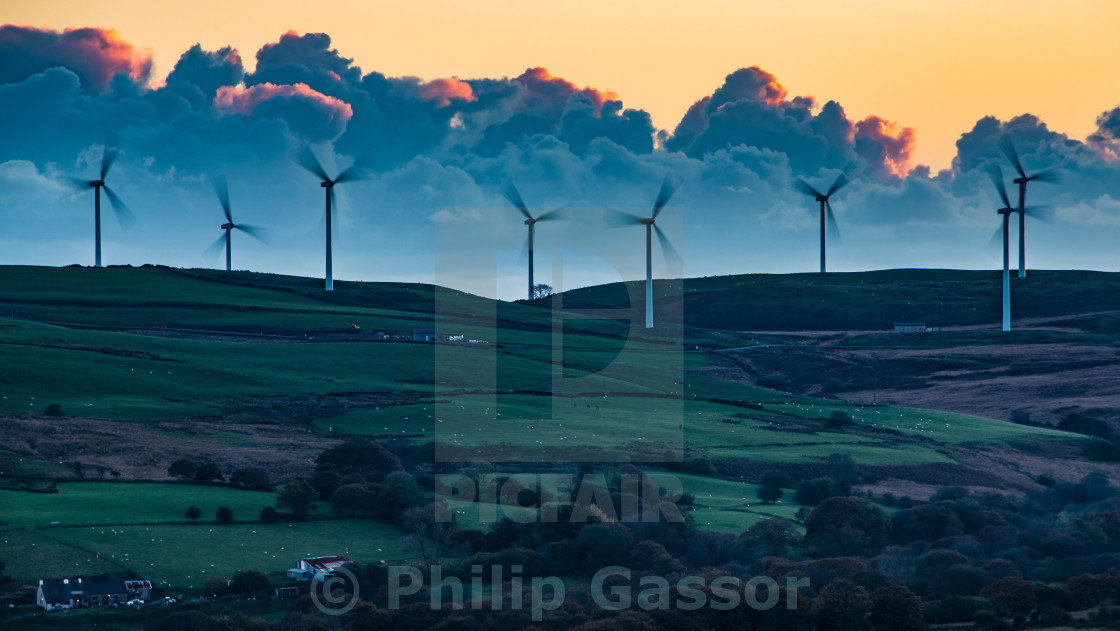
(580,104)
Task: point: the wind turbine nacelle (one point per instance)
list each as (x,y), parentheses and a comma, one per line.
(1006,211)
(647,222)
(326,184)
(228,226)
(1021,180)
(822,198)
(96,183)
(529,222)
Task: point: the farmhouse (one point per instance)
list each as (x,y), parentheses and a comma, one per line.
(316,567)
(79,593)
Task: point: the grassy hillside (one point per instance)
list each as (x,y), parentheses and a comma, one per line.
(869,301)
(127,369)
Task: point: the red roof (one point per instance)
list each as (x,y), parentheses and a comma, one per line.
(326,563)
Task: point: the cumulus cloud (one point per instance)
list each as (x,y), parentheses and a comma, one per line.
(886,147)
(95,55)
(442,91)
(440,149)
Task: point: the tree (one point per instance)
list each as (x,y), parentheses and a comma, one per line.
(371,460)
(541,290)
(770,537)
(896,608)
(193,513)
(846,525)
(839,418)
(841,606)
(208,472)
(297,496)
(250,580)
(842,469)
(352,498)
(224,515)
(770,493)
(431,523)
(254,478)
(183,468)
(268,515)
(1018,595)
(54,409)
(215,586)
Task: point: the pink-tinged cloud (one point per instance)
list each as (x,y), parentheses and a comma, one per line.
(442,91)
(887,146)
(94,54)
(239,99)
(546,91)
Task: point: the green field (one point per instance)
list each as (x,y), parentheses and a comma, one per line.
(161,350)
(106,526)
(181,557)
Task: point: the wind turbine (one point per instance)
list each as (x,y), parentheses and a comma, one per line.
(222,189)
(826,207)
(1049,175)
(514,198)
(996,174)
(306,159)
(124,216)
(626,219)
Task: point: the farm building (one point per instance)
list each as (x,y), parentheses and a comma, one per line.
(79,593)
(909,327)
(316,567)
(424,334)
(287,592)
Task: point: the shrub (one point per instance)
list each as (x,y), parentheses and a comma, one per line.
(54,409)
(839,418)
(774,382)
(254,478)
(208,472)
(1084,424)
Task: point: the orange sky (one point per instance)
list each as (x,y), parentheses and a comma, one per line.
(936,66)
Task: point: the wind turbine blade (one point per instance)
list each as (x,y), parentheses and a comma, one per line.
(217,246)
(357,171)
(803,186)
(996,174)
(1045,214)
(668,189)
(523,255)
(76,185)
(222,189)
(1008,149)
(554,214)
(842,180)
(833,230)
(510,192)
(995,244)
(264,235)
(124,215)
(1052,176)
(667,249)
(108,156)
(306,159)
(617,219)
